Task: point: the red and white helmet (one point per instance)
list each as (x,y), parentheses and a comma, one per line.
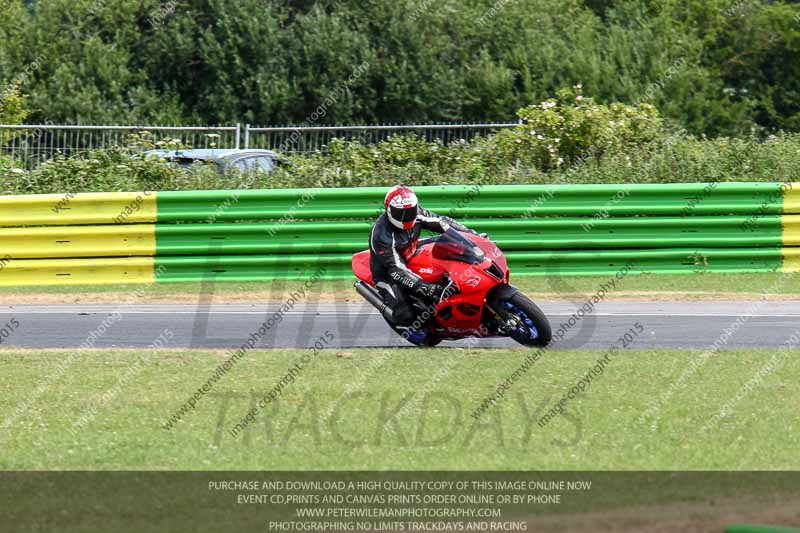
(401,207)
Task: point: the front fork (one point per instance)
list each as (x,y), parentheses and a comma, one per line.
(504,325)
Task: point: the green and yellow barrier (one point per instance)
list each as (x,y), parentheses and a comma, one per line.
(73,209)
(288,234)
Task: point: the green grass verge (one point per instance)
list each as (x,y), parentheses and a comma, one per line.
(303,430)
(680,284)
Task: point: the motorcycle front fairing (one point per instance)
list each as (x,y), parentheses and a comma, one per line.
(466,263)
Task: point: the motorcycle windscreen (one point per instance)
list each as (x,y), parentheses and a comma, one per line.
(453,246)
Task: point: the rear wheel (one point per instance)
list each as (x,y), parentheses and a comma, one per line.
(421,335)
(418,337)
(522,320)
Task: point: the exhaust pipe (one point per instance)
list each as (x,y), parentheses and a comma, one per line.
(372,296)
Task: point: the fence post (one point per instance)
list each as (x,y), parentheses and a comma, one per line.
(247,136)
(238,134)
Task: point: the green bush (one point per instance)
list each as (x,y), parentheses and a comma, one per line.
(13,110)
(114,169)
(13,105)
(565,130)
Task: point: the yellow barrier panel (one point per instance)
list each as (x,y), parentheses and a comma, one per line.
(790,225)
(79,241)
(791,198)
(85,208)
(16,272)
(790,230)
(791,260)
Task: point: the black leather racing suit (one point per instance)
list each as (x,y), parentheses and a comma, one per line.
(390,248)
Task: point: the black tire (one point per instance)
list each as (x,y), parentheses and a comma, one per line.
(510,295)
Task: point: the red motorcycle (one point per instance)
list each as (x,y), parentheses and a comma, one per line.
(477,302)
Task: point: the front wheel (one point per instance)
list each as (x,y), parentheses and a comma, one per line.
(524,321)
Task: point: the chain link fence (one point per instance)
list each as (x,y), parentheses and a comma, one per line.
(32,144)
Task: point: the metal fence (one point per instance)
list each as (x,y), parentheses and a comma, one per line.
(34,143)
(316,138)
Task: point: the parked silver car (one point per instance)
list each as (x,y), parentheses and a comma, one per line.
(225,160)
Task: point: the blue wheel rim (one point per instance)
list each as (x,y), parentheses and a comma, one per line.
(417,336)
(530,331)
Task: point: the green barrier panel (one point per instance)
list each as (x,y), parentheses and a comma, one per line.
(511,234)
(337,266)
(744,528)
(252,267)
(667,261)
(634,232)
(244,238)
(475,201)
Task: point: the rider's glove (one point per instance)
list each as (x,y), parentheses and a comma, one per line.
(484,235)
(437,290)
(430,290)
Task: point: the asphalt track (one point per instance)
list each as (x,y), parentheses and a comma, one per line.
(666,324)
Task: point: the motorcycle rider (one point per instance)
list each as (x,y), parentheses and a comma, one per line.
(393,241)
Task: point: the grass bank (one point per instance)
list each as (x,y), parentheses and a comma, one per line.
(397,409)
